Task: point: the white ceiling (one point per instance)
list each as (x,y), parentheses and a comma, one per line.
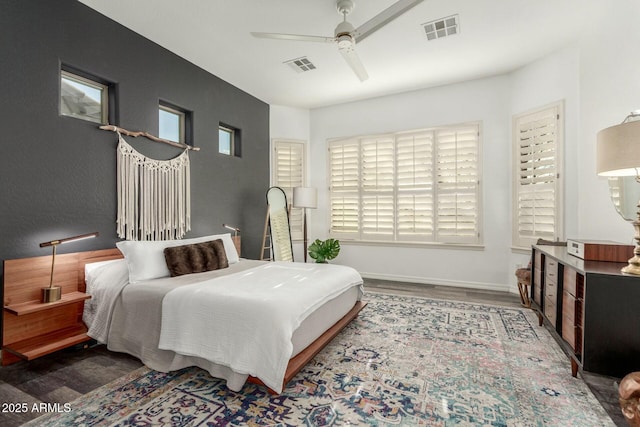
(496,36)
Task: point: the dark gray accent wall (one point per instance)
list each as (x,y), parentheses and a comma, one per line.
(59,173)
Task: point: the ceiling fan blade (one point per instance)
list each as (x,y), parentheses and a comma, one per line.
(294,37)
(383,18)
(350,55)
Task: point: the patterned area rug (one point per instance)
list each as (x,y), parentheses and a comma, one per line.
(403,362)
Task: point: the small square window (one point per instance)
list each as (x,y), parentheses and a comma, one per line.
(83,98)
(229,141)
(171,124)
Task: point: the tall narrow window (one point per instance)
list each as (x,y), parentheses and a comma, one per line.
(225,140)
(288,171)
(537,176)
(171,123)
(415,186)
(83,98)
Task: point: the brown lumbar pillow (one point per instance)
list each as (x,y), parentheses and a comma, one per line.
(196,258)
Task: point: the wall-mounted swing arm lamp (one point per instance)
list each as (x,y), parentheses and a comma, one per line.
(236,230)
(235,237)
(305,197)
(54,293)
(618,154)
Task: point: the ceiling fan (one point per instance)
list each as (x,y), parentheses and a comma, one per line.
(346,36)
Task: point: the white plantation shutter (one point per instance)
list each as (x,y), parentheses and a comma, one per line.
(289,172)
(418,186)
(537,208)
(378,182)
(415,177)
(457,184)
(344,184)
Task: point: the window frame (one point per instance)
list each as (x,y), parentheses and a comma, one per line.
(349,194)
(230,131)
(182,121)
(519,240)
(235,148)
(92,82)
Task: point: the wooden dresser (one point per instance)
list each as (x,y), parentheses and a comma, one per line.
(592,307)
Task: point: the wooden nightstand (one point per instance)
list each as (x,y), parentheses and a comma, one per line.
(28,327)
(32,329)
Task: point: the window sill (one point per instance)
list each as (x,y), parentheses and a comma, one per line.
(422,245)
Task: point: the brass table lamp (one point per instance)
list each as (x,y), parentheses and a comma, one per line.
(54,293)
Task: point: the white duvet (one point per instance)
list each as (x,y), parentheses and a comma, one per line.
(246,320)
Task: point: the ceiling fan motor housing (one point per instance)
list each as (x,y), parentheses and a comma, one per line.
(343,29)
(344,6)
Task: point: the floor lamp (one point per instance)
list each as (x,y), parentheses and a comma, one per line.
(618,154)
(305,197)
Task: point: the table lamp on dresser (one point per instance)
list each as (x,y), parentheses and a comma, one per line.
(618,155)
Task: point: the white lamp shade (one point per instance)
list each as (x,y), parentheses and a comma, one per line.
(618,150)
(305,197)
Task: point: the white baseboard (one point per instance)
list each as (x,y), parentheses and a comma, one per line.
(503,287)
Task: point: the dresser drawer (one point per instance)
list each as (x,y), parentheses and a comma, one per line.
(550,310)
(569,331)
(551,290)
(569,280)
(550,270)
(537,285)
(569,319)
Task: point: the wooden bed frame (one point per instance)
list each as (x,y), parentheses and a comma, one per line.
(32,329)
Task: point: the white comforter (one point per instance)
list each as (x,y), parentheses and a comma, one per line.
(246,320)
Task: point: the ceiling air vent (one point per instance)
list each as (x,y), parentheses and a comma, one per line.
(301,64)
(441,27)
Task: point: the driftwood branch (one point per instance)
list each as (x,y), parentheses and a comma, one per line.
(147,135)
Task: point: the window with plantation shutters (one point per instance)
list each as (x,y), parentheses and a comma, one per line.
(415,186)
(289,172)
(537,196)
(457,181)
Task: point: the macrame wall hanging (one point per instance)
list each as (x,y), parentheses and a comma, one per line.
(154,196)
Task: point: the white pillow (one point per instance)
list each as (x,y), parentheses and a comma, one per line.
(90,267)
(146,261)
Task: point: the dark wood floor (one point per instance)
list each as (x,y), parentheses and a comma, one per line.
(66,375)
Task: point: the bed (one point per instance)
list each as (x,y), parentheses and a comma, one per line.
(252,320)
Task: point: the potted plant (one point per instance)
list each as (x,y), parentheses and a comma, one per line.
(322,251)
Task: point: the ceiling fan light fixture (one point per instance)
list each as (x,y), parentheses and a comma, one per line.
(344,41)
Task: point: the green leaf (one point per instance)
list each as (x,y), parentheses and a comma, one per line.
(323,251)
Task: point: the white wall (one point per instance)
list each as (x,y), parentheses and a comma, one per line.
(548,80)
(599,82)
(291,123)
(609,90)
(485,100)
